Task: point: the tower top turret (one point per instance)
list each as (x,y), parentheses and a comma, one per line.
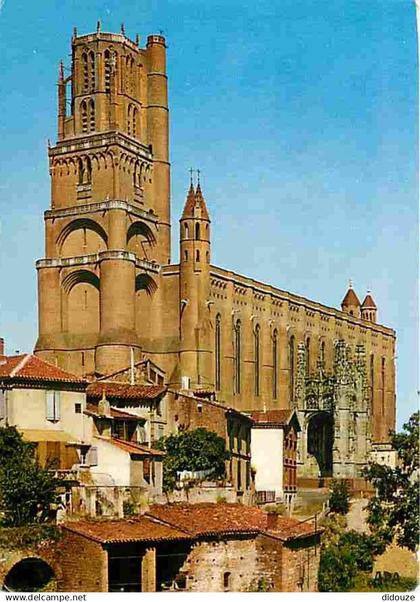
(195,205)
(368,308)
(368,302)
(351,304)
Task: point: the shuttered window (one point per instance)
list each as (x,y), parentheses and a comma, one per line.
(53,405)
(92,456)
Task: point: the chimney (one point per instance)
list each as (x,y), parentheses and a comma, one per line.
(272,521)
(1,347)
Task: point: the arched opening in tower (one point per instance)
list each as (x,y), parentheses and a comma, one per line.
(29,575)
(320,442)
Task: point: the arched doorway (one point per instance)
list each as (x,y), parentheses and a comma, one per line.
(29,575)
(320,441)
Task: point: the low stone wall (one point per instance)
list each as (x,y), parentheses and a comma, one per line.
(206,492)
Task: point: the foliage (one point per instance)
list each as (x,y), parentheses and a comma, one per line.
(260,585)
(343,557)
(129,508)
(364,583)
(195,450)
(27,490)
(393,511)
(334,526)
(339,500)
(28,536)
(279,509)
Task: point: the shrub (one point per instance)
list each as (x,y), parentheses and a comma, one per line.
(339,497)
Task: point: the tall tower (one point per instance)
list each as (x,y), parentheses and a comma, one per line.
(194,290)
(108,229)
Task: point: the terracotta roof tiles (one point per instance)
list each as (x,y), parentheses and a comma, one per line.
(273,417)
(133,448)
(350,299)
(31,368)
(115,390)
(126,530)
(183,521)
(208,519)
(368,302)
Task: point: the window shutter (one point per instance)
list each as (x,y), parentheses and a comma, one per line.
(92,457)
(57,405)
(2,404)
(50,405)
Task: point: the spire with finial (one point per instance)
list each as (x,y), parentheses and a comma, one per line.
(74,33)
(123,29)
(195,205)
(98,26)
(351,304)
(137,39)
(368,308)
(61,72)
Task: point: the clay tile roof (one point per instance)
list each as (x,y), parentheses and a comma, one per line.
(133,448)
(368,302)
(350,298)
(114,390)
(31,368)
(210,519)
(273,417)
(126,530)
(290,528)
(92,408)
(194,199)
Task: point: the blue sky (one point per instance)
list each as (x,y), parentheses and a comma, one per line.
(302,116)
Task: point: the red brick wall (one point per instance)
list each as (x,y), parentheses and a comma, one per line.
(84,564)
(185,413)
(289,460)
(299,566)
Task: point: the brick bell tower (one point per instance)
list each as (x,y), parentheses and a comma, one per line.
(108,229)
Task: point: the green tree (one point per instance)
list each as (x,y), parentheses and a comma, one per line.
(26,489)
(339,500)
(344,557)
(195,450)
(393,510)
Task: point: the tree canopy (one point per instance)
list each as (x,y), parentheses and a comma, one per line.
(26,489)
(195,450)
(393,511)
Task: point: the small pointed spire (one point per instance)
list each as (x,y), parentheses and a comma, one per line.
(137,39)
(98,26)
(61,71)
(123,29)
(350,299)
(74,32)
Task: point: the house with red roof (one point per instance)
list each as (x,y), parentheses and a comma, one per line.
(193,548)
(96,448)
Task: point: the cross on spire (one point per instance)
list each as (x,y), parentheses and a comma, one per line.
(192,171)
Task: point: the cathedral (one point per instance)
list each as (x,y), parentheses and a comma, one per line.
(109,293)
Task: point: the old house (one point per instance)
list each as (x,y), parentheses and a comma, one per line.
(101,453)
(47,406)
(187,410)
(202,547)
(274,436)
